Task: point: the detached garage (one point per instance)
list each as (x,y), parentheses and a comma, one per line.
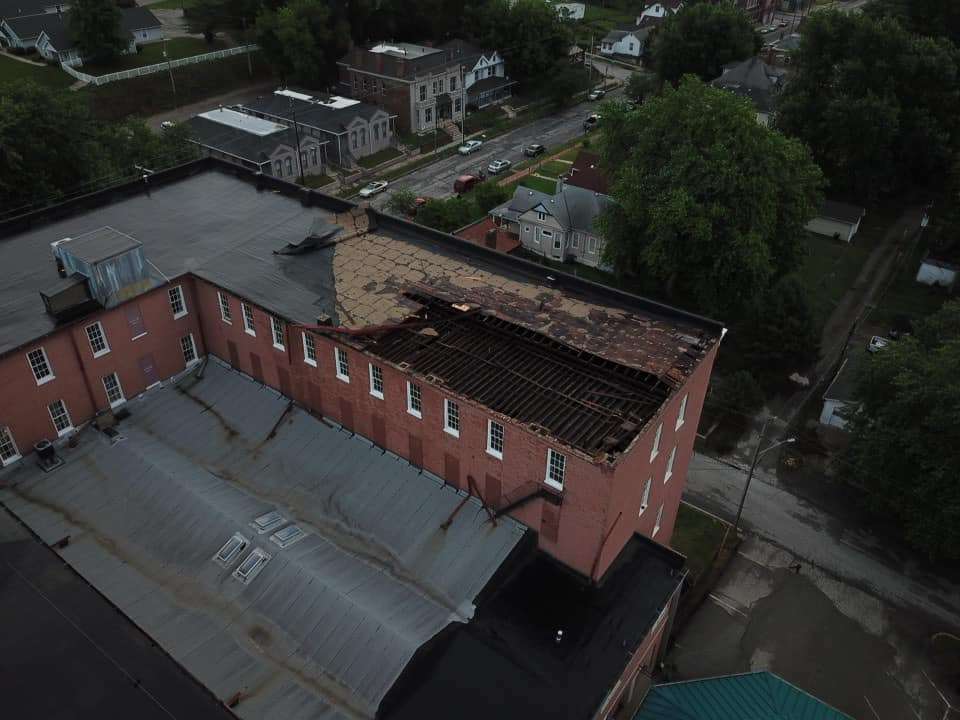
(837,219)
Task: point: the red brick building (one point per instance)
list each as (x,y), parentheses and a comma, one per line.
(569,406)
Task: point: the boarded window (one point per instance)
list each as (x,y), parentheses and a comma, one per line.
(135,321)
(256,367)
(232,352)
(346,413)
(149,370)
(416,451)
(379,431)
(451,469)
(316,398)
(284,376)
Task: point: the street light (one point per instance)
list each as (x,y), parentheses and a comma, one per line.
(753,466)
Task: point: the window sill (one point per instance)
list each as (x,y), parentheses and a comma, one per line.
(378,396)
(46,379)
(494,453)
(653,455)
(9,461)
(117,403)
(101,353)
(281,348)
(65,431)
(137,337)
(227,322)
(666,478)
(678,425)
(642,509)
(415,413)
(553,484)
(452,432)
(251,333)
(177,316)
(343,378)
(308,361)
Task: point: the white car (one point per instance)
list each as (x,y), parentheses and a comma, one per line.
(877,344)
(167,125)
(373,188)
(470,146)
(498,166)
(596,94)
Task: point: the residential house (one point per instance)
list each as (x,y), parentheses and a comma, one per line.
(837,220)
(838,399)
(138,26)
(659,9)
(626,40)
(939,267)
(561,226)
(257,144)
(424,87)
(460,519)
(586,173)
(734,697)
(12,9)
(756,81)
(351,129)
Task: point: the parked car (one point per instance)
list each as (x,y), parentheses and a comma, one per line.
(498,166)
(877,344)
(167,125)
(596,94)
(373,188)
(534,150)
(470,146)
(591,122)
(465,183)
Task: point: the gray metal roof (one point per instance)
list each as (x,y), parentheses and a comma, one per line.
(100,244)
(329,622)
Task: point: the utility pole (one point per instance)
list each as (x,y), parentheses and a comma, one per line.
(246,39)
(166,57)
(753,466)
(296,133)
(463,105)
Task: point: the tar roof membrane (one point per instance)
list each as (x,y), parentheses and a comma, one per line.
(329,622)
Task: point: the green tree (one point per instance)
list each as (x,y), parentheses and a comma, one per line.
(566,81)
(447,215)
(879,107)
(95,27)
(905,438)
(701,40)
(640,86)
(302,41)
(780,334)
(529,33)
(934,18)
(207,17)
(709,203)
(401,201)
(487,195)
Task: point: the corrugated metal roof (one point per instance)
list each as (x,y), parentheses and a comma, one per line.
(329,622)
(752,696)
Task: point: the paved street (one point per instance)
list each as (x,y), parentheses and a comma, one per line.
(436,179)
(839,547)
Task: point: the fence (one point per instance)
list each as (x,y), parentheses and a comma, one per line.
(159,67)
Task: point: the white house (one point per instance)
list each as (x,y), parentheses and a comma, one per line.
(837,220)
(938,271)
(55,42)
(838,399)
(659,9)
(627,41)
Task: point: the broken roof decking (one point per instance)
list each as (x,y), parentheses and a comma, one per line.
(582,400)
(330,622)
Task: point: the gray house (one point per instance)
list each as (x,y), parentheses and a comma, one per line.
(755,80)
(255,143)
(351,129)
(14,9)
(54,40)
(561,226)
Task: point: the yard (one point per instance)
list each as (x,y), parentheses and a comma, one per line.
(828,272)
(698,536)
(905,297)
(316,181)
(598,21)
(540,184)
(48,75)
(554,168)
(383,156)
(153,54)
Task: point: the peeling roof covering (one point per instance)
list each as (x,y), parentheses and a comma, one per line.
(327,623)
(751,696)
(222,229)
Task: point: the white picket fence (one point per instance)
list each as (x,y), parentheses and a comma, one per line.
(159,67)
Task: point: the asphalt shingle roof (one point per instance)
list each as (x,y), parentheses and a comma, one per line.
(753,79)
(310,113)
(57,25)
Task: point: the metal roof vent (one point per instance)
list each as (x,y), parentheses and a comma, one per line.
(251,566)
(112,263)
(288,536)
(267,522)
(231,549)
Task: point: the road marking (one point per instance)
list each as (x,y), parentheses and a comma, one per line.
(726,605)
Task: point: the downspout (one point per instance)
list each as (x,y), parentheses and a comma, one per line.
(83,369)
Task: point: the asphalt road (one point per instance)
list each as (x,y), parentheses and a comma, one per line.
(436,179)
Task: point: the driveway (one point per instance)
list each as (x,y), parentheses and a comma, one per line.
(773,611)
(436,179)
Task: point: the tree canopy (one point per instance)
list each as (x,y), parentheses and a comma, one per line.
(709,203)
(302,40)
(51,146)
(879,107)
(95,27)
(905,447)
(701,40)
(934,18)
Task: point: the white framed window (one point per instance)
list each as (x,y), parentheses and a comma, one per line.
(669,473)
(224,308)
(60,417)
(451,418)
(40,365)
(682,413)
(591,244)
(342,364)
(414,400)
(276,327)
(645,500)
(575,243)
(97,339)
(656,442)
(557,243)
(111,384)
(556,469)
(309,350)
(248,324)
(541,216)
(8,448)
(656,525)
(177,303)
(547,234)
(376,381)
(189,349)
(495,439)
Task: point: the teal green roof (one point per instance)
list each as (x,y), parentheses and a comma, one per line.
(752,696)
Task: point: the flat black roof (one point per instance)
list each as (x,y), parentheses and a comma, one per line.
(506,663)
(68,653)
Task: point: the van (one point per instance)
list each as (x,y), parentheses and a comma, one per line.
(465,183)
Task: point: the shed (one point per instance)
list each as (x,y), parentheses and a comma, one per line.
(837,220)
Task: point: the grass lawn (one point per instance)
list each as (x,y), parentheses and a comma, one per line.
(698,536)
(380,157)
(828,271)
(905,296)
(426,142)
(541,184)
(152,54)
(316,181)
(554,168)
(48,75)
(173,4)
